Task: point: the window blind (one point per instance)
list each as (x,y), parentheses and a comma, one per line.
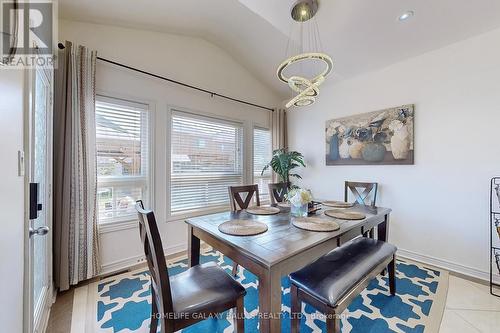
(262,153)
(122,141)
(206,158)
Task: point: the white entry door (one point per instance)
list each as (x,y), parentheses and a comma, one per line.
(40,200)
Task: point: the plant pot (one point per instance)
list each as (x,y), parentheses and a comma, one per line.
(299,211)
(373,152)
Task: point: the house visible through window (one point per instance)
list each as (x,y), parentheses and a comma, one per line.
(122,140)
(262,152)
(206,158)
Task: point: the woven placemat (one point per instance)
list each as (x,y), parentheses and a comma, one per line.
(344,214)
(242,227)
(315,224)
(337,204)
(263,210)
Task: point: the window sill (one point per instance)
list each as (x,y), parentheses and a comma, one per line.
(113,226)
(189,214)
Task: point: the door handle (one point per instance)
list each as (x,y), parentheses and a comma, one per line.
(40,231)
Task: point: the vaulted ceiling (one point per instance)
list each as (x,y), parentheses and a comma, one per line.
(360,35)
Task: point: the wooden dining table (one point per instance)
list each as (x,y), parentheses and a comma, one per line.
(282,249)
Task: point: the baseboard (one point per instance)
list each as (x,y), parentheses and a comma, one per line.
(126,263)
(453,267)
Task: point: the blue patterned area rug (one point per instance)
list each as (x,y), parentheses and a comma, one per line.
(122,303)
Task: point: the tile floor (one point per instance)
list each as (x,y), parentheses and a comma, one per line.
(470,308)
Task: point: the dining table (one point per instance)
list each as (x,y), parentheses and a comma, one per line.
(282,249)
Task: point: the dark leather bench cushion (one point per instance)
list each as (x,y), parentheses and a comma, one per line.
(330,277)
(201,287)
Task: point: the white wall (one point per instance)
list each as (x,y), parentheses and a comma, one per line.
(440,204)
(11,201)
(186,59)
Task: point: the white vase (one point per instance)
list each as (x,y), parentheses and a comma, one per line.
(400,143)
(299,211)
(344,150)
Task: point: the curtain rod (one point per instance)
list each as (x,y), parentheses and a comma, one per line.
(212,93)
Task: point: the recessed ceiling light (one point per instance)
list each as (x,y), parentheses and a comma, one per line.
(406,15)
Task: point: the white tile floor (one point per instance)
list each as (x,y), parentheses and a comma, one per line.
(470,308)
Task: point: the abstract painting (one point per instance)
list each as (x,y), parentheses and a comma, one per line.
(379,137)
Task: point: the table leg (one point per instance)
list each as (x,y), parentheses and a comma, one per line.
(270,302)
(383,229)
(383,234)
(193,248)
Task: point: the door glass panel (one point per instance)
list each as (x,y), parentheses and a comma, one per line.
(40,175)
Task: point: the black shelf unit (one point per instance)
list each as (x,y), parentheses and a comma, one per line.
(494,234)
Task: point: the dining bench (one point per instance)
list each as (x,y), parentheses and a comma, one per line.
(331,282)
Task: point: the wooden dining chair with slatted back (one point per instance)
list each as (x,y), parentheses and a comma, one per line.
(201,292)
(238,203)
(364,193)
(277,191)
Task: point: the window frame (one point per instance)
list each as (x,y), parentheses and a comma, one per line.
(252,173)
(172,110)
(130,221)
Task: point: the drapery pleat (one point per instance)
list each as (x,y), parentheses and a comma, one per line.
(76,243)
(278,126)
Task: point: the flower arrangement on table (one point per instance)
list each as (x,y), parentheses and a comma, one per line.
(299,201)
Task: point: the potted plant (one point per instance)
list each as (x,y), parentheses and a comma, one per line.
(283,162)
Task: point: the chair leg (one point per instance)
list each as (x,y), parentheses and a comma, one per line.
(296,310)
(154,314)
(235,269)
(332,323)
(392,275)
(239,324)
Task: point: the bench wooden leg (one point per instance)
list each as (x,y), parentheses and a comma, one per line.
(295,309)
(392,275)
(154,313)
(332,323)
(240,316)
(235,269)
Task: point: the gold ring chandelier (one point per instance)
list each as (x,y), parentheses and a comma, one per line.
(307,89)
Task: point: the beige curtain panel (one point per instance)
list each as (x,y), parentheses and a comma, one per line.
(76,243)
(278,126)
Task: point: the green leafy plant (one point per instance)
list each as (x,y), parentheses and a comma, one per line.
(283,162)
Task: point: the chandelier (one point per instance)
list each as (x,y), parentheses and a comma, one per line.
(305,67)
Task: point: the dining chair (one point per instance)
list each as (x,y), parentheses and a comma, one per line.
(367,196)
(237,203)
(277,191)
(201,292)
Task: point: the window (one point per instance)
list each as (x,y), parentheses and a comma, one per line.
(122,140)
(206,158)
(262,152)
